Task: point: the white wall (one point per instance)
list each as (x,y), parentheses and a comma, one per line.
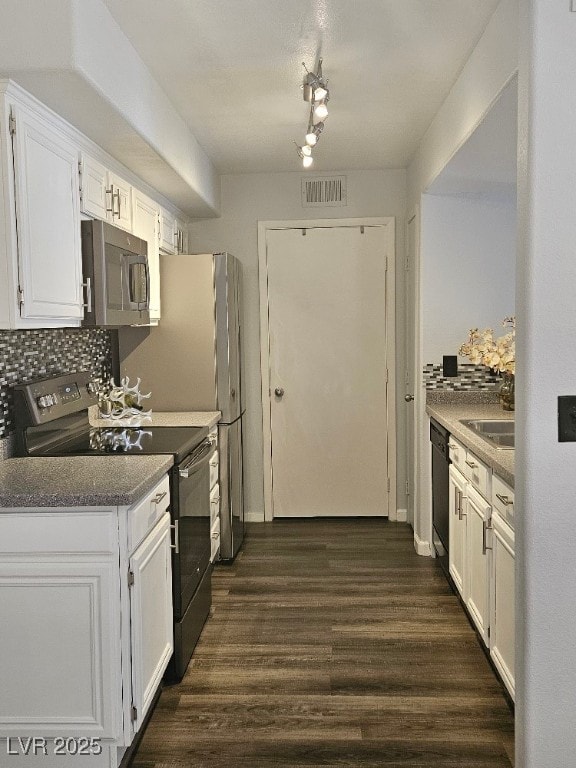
(492,64)
(546,314)
(249,198)
(468,248)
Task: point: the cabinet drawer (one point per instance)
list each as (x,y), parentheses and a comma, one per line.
(144,515)
(503,499)
(478,474)
(214,470)
(215,540)
(214,505)
(457,454)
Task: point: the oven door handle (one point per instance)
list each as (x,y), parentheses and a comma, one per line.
(198,459)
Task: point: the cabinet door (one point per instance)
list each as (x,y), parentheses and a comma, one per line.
(59,651)
(478,560)
(95,195)
(181,233)
(48,216)
(150,616)
(121,193)
(502,632)
(168,234)
(146,218)
(457,530)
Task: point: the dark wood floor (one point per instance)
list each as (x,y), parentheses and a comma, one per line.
(332,644)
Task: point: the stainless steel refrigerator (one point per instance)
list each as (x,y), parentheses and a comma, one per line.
(191,362)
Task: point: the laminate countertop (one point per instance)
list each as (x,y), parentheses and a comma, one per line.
(449,413)
(159,419)
(79,481)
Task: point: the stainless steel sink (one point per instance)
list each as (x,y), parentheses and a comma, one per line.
(499,433)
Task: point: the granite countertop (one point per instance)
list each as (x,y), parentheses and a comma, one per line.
(449,409)
(160,419)
(79,481)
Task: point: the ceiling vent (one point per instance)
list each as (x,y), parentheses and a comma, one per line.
(324,191)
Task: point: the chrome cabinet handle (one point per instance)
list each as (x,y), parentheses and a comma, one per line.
(176,545)
(88,285)
(110,192)
(159,496)
(117,196)
(504,499)
(461,513)
(471,464)
(408,398)
(486,526)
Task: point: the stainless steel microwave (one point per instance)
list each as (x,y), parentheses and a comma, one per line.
(116,276)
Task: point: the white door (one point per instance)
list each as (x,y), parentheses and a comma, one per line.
(328,370)
(410,372)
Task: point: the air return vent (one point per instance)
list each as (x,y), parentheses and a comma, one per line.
(323,191)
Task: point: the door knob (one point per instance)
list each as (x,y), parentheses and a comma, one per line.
(408,398)
(279,392)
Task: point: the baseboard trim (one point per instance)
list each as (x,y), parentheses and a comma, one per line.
(254,517)
(422,547)
(401,515)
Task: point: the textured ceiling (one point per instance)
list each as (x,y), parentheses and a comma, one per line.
(233,70)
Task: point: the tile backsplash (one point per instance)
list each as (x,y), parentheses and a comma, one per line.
(470,376)
(35,354)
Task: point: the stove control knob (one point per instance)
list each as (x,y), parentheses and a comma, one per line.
(45,401)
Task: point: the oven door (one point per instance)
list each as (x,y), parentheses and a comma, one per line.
(191,520)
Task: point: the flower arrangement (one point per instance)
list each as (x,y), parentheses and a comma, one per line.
(497,353)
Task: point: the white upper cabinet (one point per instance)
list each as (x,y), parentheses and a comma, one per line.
(181,237)
(146,225)
(94,200)
(46,284)
(103,194)
(51,175)
(168,234)
(120,193)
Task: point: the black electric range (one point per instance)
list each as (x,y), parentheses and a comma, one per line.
(52,420)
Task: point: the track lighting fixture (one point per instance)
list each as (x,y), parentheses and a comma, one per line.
(315,91)
(305,152)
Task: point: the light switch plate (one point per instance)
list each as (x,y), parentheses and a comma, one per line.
(567,419)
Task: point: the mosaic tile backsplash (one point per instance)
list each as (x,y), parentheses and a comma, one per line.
(35,354)
(470,376)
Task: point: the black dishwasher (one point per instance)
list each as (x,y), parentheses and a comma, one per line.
(440,491)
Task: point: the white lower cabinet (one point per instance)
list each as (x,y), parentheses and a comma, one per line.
(86,629)
(469,535)
(478,551)
(481,556)
(457,530)
(150,616)
(502,635)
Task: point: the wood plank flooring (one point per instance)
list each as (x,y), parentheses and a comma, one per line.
(331,643)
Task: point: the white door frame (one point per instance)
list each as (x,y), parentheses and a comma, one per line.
(390,298)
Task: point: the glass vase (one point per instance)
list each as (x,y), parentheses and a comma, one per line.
(507,391)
